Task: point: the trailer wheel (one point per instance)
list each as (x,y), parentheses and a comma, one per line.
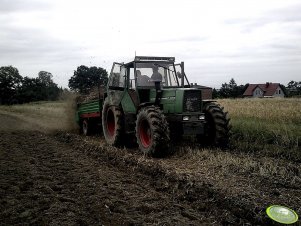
(217,126)
(152,132)
(86,127)
(112,124)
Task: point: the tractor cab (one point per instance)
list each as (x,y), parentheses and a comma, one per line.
(143,72)
(145,77)
(149,70)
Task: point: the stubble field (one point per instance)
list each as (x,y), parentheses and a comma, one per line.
(50,175)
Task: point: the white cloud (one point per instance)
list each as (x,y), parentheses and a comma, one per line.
(252,41)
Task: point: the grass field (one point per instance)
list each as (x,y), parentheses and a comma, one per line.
(46,116)
(269,125)
(265,121)
(270,120)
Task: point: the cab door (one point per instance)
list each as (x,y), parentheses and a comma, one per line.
(130,99)
(116,84)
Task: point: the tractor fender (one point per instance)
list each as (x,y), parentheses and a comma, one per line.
(207,102)
(146,104)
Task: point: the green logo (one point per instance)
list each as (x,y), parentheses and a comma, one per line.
(282,214)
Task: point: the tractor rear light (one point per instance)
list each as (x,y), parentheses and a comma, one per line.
(201,117)
(185,118)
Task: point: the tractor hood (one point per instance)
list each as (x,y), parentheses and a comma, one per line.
(179,100)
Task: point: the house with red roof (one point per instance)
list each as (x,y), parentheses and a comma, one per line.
(264,90)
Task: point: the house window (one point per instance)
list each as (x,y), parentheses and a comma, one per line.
(279,91)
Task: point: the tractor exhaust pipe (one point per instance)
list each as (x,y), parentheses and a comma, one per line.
(158,92)
(182,72)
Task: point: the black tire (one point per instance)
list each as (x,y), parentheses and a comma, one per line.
(217,126)
(152,132)
(86,129)
(112,124)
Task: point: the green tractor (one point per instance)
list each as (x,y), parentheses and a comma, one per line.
(149,101)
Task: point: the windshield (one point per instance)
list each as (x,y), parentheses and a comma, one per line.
(148,73)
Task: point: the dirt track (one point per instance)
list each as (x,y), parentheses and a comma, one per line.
(65,179)
(45,181)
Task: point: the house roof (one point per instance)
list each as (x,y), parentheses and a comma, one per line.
(268,89)
(201,87)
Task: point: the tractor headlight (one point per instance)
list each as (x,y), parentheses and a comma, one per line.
(201,117)
(185,118)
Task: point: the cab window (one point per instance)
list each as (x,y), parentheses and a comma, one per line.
(132,84)
(117,76)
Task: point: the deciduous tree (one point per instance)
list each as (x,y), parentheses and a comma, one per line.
(294,88)
(84,78)
(10,81)
(231,90)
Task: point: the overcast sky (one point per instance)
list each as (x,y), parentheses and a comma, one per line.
(253,41)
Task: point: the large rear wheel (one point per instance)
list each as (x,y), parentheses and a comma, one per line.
(112,124)
(152,132)
(217,126)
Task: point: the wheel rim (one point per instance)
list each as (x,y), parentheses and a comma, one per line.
(110,123)
(145,133)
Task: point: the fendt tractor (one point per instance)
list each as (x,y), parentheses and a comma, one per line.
(150,102)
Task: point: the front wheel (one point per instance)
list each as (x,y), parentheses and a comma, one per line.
(152,131)
(217,126)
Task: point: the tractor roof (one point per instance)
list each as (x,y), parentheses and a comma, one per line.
(150,59)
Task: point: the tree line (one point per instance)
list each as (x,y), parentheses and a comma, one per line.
(293,88)
(232,90)
(16,89)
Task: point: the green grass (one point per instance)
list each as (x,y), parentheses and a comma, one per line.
(272,126)
(47,116)
(274,121)
(43,108)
